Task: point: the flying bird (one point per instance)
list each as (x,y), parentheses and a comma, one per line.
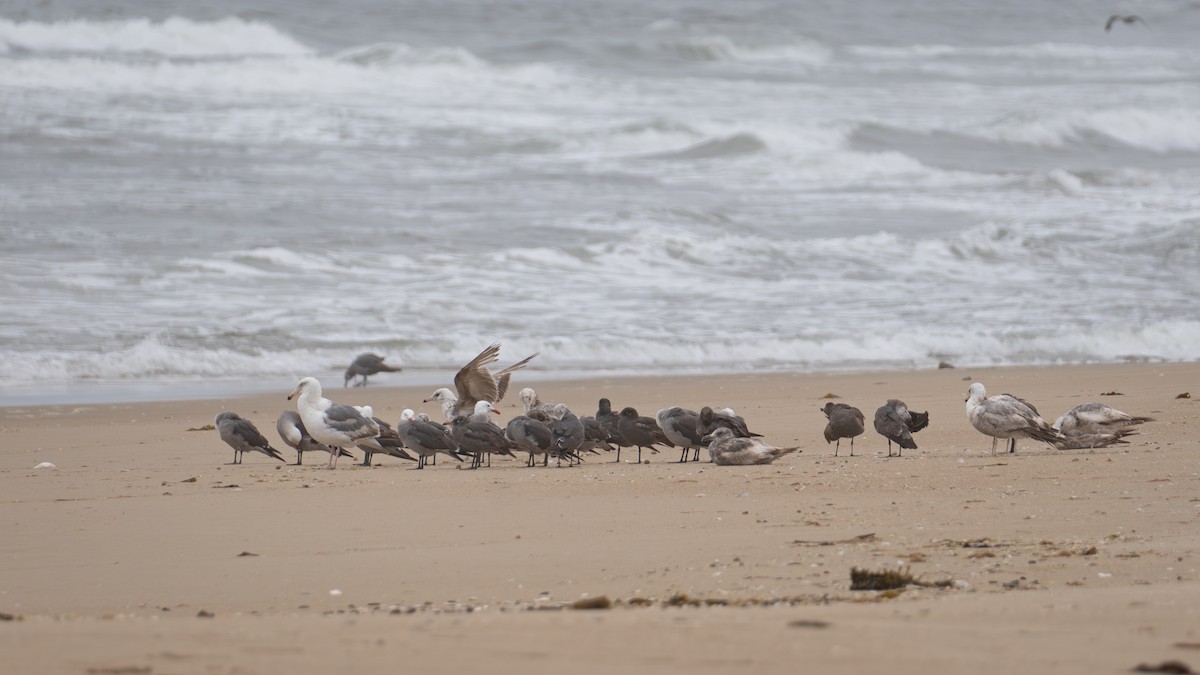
(474,382)
(1123,18)
(243,437)
(367,364)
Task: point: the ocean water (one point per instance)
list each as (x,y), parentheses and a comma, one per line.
(250,192)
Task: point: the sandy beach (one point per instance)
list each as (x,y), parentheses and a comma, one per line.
(144,552)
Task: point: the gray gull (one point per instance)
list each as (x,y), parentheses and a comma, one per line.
(730,450)
(474,382)
(1006,416)
(243,437)
(367,364)
(845,421)
(895,422)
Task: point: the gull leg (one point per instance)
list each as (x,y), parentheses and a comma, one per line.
(851,446)
(1012,444)
(994,439)
(618,454)
(836,446)
(367,457)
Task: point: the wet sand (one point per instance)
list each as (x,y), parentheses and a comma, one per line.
(1055,561)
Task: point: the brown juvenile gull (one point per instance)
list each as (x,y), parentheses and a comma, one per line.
(640,431)
(330,423)
(595,436)
(895,423)
(292,431)
(243,437)
(530,401)
(367,364)
(425,438)
(681,427)
(730,450)
(1123,18)
(1006,416)
(474,382)
(610,422)
(530,435)
(711,419)
(1097,418)
(844,422)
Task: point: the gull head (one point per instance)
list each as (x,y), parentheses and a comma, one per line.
(225,417)
(976,392)
(718,435)
(529,398)
(407,416)
(441,396)
(306,386)
(485,407)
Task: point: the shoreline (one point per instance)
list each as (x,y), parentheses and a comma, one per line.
(143,544)
(148,390)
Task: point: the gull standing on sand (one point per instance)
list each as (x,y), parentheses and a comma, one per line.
(845,421)
(480,438)
(243,437)
(330,423)
(292,431)
(895,422)
(569,436)
(611,423)
(1006,416)
(640,431)
(681,427)
(530,435)
(367,364)
(388,442)
(474,382)
(730,450)
(531,402)
(425,438)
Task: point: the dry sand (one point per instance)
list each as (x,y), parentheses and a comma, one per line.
(1083,561)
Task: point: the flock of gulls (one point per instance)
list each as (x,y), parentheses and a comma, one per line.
(548,431)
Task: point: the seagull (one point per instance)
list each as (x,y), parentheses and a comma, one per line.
(388,442)
(530,400)
(425,438)
(730,450)
(569,435)
(1092,441)
(595,436)
(844,422)
(640,431)
(334,425)
(479,438)
(610,422)
(530,435)
(710,420)
(292,431)
(1096,418)
(242,436)
(474,382)
(894,421)
(1126,18)
(1006,416)
(367,364)
(681,427)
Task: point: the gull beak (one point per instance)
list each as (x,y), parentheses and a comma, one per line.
(495,411)
(294,393)
(426,400)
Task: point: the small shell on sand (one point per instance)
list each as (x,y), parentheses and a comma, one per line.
(335,592)
(45,465)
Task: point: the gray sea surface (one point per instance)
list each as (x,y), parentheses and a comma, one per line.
(249,192)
